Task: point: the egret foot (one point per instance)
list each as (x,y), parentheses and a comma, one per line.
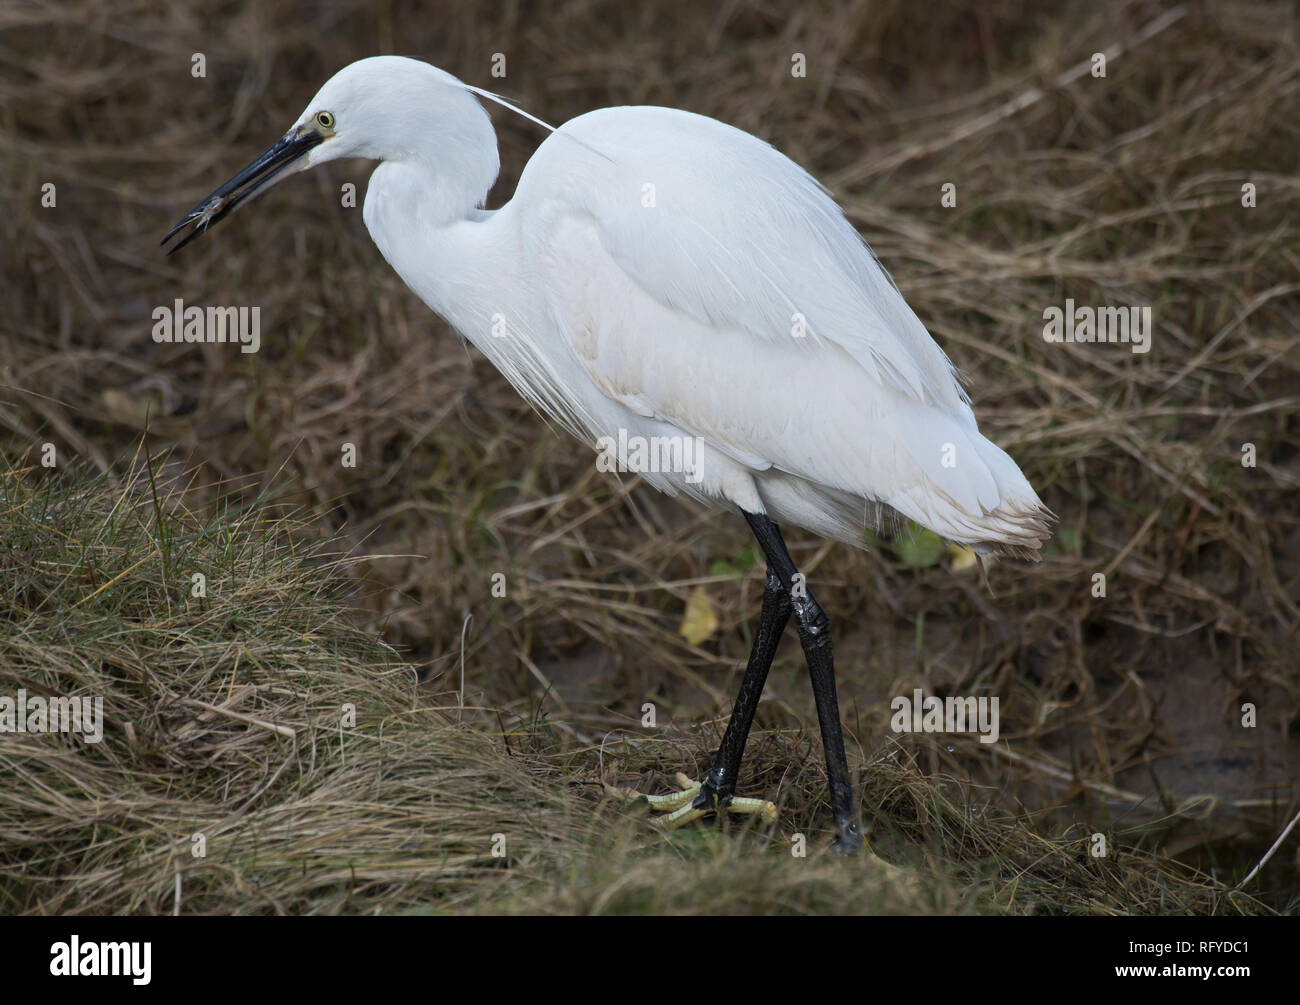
(691,803)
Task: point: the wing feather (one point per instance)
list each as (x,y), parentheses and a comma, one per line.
(713,222)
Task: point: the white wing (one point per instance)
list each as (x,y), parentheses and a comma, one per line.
(704,279)
(719,225)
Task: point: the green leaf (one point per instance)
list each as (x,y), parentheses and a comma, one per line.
(919,549)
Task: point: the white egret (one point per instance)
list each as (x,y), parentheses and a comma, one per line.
(660,277)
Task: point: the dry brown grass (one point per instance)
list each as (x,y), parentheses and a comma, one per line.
(1120,713)
(262,754)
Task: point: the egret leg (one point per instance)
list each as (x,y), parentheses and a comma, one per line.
(783,595)
(718,791)
(720,784)
(815,637)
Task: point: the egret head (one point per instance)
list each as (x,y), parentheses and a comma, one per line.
(385,108)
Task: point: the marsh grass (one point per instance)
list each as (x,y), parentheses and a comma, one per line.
(227,734)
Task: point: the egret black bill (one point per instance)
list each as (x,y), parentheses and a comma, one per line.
(246,185)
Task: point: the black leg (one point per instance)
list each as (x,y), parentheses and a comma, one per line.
(720,785)
(815,637)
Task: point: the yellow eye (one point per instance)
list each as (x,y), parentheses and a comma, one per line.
(325,120)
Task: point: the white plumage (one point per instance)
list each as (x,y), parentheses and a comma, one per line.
(665,274)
